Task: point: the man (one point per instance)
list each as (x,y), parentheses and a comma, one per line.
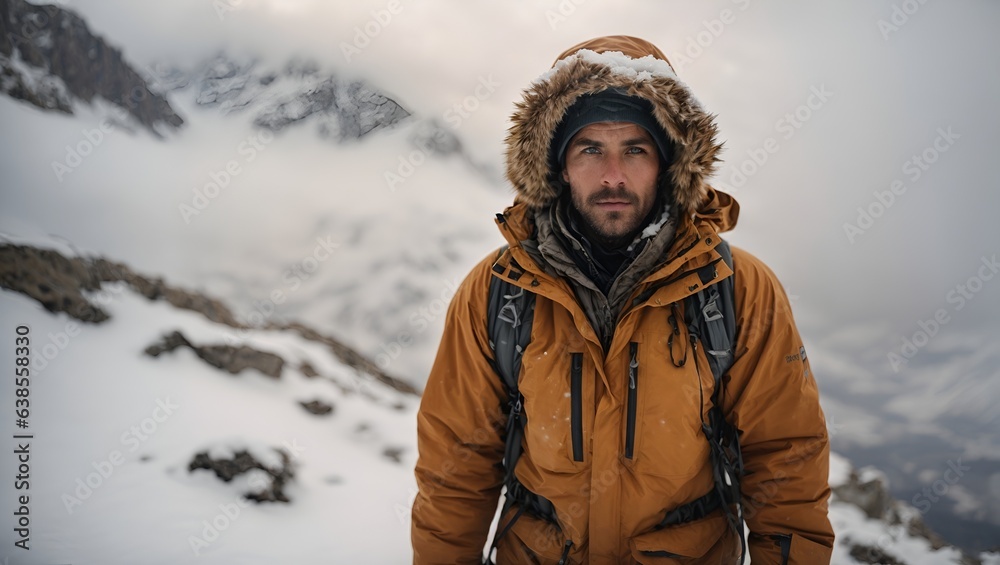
(609,154)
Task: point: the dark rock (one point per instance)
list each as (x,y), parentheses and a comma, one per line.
(233,359)
(49,93)
(874,555)
(236,359)
(308,370)
(169,343)
(156,289)
(317,407)
(53,280)
(394,453)
(242,462)
(57,282)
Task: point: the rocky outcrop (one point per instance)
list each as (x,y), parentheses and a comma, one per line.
(229,358)
(48,56)
(228,468)
(342,109)
(347,110)
(33,85)
(229,85)
(868,491)
(890,532)
(59,282)
(53,280)
(348,356)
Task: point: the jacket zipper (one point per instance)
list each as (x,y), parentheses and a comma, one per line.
(784,541)
(633,385)
(576,401)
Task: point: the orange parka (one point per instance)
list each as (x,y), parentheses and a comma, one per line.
(609,499)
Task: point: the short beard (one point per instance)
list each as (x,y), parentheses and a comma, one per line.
(594,231)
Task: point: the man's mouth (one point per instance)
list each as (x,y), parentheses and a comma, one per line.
(613,204)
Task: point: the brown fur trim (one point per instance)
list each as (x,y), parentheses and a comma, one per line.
(689,127)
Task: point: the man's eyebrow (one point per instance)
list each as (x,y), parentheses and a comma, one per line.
(594,143)
(588,142)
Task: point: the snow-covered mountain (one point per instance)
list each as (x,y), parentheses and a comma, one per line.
(326,209)
(342,109)
(243,185)
(50,58)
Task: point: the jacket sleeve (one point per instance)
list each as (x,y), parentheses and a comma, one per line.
(460,426)
(773,399)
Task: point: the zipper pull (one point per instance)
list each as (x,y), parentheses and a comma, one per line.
(632,366)
(565,553)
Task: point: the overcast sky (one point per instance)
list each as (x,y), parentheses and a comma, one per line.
(886,82)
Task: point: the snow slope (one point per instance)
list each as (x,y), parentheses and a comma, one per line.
(101,404)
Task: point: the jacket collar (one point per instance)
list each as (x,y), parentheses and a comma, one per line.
(718,214)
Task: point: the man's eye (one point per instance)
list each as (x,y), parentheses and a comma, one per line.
(636,150)
(591,150)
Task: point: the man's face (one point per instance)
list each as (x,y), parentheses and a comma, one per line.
(612,169)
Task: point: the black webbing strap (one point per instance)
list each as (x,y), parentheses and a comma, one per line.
(694,510)
(510,315)
(718,317)
(711,318)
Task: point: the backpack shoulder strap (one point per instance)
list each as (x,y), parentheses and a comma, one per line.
(717,306)
(509,316)
(510,313)
(711,314)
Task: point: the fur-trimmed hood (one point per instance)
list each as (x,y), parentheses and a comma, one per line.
(640,69)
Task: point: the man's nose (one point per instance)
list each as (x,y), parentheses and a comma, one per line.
(613,174)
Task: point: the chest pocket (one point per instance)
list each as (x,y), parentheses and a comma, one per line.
(557,383)
(663,411)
